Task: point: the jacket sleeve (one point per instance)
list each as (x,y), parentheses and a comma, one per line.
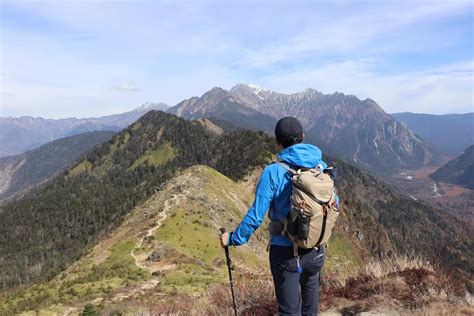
(266,188)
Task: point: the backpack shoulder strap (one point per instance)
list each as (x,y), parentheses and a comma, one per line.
(286,166)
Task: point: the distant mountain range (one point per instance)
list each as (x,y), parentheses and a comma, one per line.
(22,172)
(451,132)
(19,134)
(458,171)
(355,130)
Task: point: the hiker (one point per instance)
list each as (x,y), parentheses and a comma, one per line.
(290,272)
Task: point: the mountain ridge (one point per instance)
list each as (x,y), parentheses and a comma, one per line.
(22,172)
(290,104)
(451,132)
(358,131)
(459,170)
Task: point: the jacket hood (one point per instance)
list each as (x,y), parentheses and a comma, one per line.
(302,155)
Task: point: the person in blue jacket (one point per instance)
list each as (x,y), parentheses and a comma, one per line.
(296,293)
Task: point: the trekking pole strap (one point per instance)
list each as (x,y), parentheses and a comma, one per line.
(227,256)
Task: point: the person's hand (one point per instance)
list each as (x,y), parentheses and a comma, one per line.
(223,239)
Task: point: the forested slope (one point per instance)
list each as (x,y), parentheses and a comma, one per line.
(22,172)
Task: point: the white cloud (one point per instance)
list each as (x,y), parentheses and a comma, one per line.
(127,86)
(447,89)
(348,33)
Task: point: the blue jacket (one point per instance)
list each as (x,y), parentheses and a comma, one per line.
(273,192)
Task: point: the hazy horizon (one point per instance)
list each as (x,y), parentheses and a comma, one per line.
(171,105)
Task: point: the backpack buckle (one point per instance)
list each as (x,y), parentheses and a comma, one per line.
(325,209)
(303,204)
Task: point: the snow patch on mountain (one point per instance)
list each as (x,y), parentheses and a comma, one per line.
(148,106)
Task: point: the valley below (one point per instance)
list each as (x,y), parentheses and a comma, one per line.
(451,198)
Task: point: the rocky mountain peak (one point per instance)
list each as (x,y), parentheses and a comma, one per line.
(242,88)
(216,92)
(197,107)
(152,106)
(310,91)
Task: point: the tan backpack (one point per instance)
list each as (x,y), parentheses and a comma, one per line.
(313,210)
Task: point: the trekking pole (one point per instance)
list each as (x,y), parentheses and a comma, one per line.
(230,267)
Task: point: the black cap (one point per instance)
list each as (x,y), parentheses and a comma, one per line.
(288,131)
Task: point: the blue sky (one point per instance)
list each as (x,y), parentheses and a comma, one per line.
(91,58)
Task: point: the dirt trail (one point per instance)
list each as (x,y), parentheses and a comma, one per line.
(151,231)
(152,282)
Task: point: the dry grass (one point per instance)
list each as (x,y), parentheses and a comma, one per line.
(252,298)
(380,268)
(401,285)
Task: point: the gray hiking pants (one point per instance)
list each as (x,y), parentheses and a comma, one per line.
(296,293)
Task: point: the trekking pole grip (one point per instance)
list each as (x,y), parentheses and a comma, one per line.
(227,256)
